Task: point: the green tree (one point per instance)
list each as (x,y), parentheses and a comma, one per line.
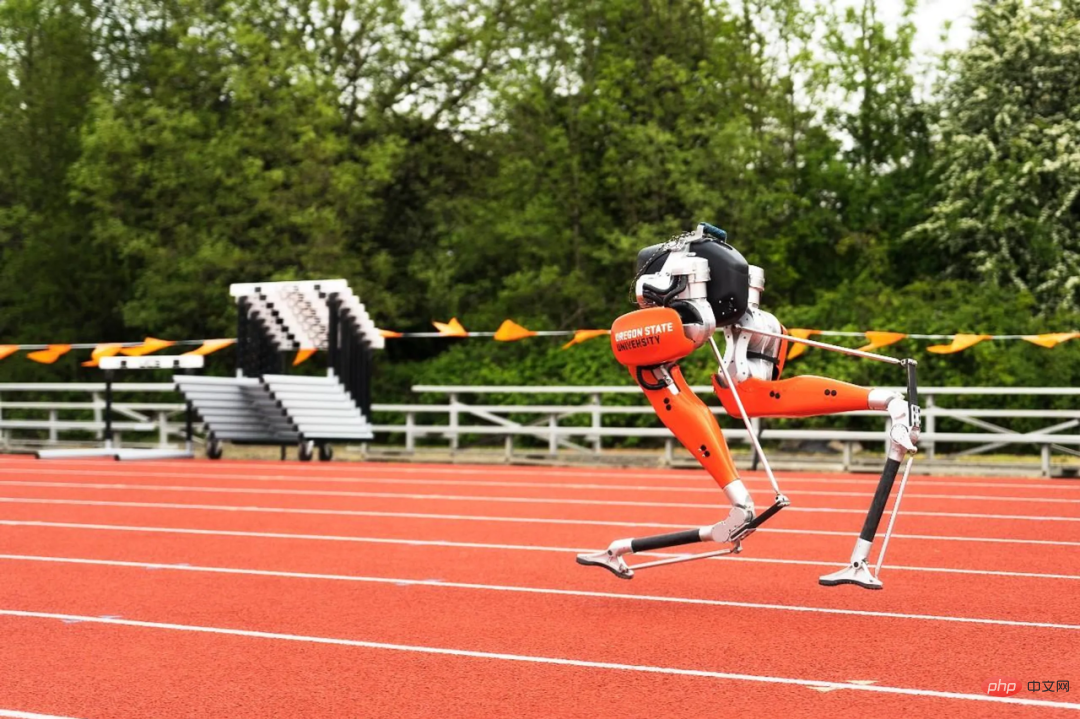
(56,284)
(868,82)
(1006,205)
(219,158)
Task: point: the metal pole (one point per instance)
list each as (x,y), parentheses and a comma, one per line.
(332,339)
(892,517)
(188,431)
(687,558)
(189,434)
(824,346)
(241,335)
(746,420)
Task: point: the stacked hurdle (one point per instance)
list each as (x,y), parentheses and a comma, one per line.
(263,406)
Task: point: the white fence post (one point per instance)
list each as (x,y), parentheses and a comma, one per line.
(931,424)
(453,423)
(98,405)
(410,437)
(553,439)
(597,423)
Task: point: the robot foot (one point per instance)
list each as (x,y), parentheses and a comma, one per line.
(609,560)
(857,573)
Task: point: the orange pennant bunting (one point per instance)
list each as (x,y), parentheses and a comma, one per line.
(583,335)
(105,350)
(796,348)
(958,344)
(1051,340)
(50,355)
(390,334)
(302,356)
(8,350)
(149,346)
(210,346)
(452,328)
(510,331)
(881,339)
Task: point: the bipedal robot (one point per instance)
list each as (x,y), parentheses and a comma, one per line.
(686,289)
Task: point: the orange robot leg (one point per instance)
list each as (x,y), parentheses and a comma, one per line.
(806,396)
(691,421)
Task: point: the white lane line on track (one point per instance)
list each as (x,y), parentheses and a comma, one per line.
(710,489)
(337,478)
(558,661)
(485,518)
(473,498)
(573,550)
(221,469)
(13,714)
(440,584)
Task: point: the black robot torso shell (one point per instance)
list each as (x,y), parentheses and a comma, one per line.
(728,290)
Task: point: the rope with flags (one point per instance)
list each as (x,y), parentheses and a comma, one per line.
(510,331)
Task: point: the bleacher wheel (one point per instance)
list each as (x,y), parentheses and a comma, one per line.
(306,451)
(213,448)
(326,452)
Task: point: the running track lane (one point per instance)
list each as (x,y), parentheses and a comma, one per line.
(1000,597)
(410,558)
(555,627)
(828,549)
(143,672)
(1060,521)
(523,473)
(1043,531)
(945,489)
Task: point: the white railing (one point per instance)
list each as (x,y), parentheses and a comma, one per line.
(165,419)
(456,420)
(995,436)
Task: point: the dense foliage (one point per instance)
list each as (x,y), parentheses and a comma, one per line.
(505,158)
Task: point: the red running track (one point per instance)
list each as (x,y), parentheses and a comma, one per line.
(258,589)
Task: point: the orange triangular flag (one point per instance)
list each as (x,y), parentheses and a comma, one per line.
(210,346)
(8,350)
(149,346)
(881,339)
(796,348)
(51,354)
(510,331)
(302,355)
(1051,340)
(105,350)
(390,334)
(958,344)
(452,328)
(582,335)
